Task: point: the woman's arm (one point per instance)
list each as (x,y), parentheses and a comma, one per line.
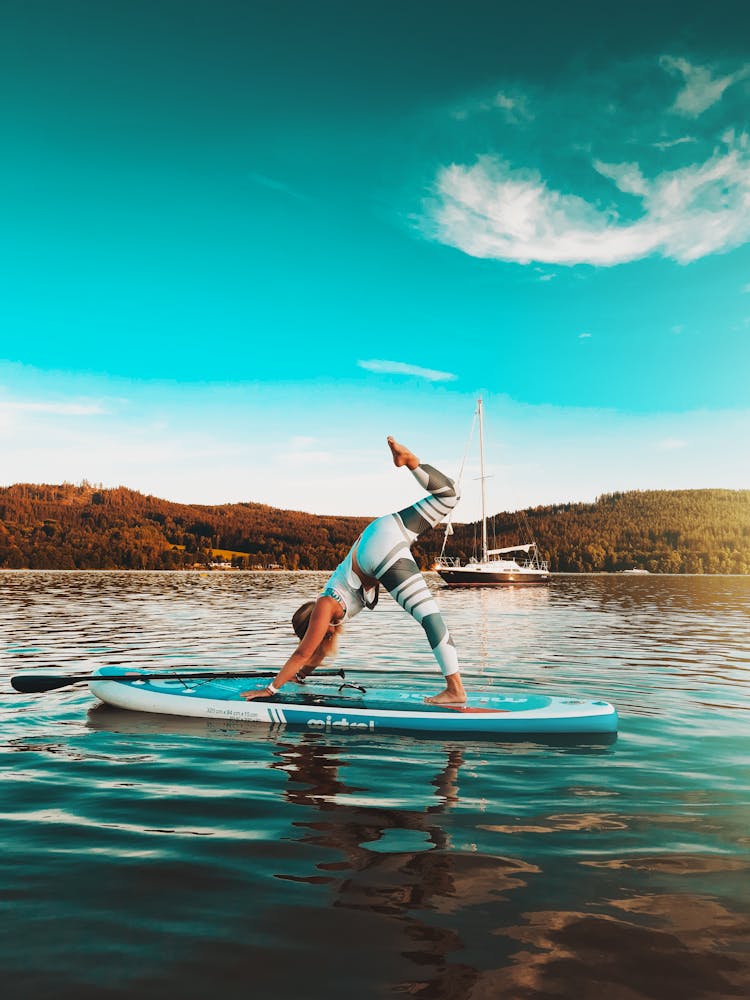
(325,610)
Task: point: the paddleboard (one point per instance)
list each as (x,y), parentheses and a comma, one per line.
(352,710)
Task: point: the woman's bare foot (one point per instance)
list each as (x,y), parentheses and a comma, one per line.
(402,455)
(445,698)
(454,693)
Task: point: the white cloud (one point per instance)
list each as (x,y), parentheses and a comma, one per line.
(399,368)
(584,336)
(492,210)
(701,89)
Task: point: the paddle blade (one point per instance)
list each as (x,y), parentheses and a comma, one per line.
(39,683)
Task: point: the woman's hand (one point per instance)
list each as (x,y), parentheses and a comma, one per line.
(256,693)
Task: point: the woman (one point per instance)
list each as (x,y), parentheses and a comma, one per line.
(381,555)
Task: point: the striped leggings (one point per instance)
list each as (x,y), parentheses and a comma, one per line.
(384,552)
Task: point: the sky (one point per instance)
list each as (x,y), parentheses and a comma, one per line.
(242,242)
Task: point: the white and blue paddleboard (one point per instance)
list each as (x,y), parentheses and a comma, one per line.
(353,710)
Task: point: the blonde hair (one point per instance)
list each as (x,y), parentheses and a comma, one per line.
(301,618)
(327,646)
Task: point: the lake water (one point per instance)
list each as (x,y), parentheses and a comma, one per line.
(150,857)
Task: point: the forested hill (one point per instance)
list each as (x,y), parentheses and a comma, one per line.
(664,531)
(83,527)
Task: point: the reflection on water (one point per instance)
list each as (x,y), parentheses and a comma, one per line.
(212,856)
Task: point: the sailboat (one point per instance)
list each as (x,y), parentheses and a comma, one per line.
(513,564)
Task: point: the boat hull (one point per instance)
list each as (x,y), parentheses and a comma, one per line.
(491,578)
(389,710)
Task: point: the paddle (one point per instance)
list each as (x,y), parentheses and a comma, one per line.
(38,683)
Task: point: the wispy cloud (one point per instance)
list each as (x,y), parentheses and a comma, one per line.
(304,450)
(400,368)
(671,444)
(305,457)
(701,88)
(584,336)
(513,106)
(57,409)
(275,185)
(545,275)
(671,143)
(492,210)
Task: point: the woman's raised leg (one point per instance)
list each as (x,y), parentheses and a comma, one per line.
(384,552)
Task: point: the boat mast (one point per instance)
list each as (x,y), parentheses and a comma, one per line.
(482,477)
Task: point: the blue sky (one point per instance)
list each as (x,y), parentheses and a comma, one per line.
(243,242)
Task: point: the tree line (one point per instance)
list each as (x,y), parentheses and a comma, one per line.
(663,531)
(87,527)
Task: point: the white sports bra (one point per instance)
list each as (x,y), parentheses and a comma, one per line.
(344,586)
